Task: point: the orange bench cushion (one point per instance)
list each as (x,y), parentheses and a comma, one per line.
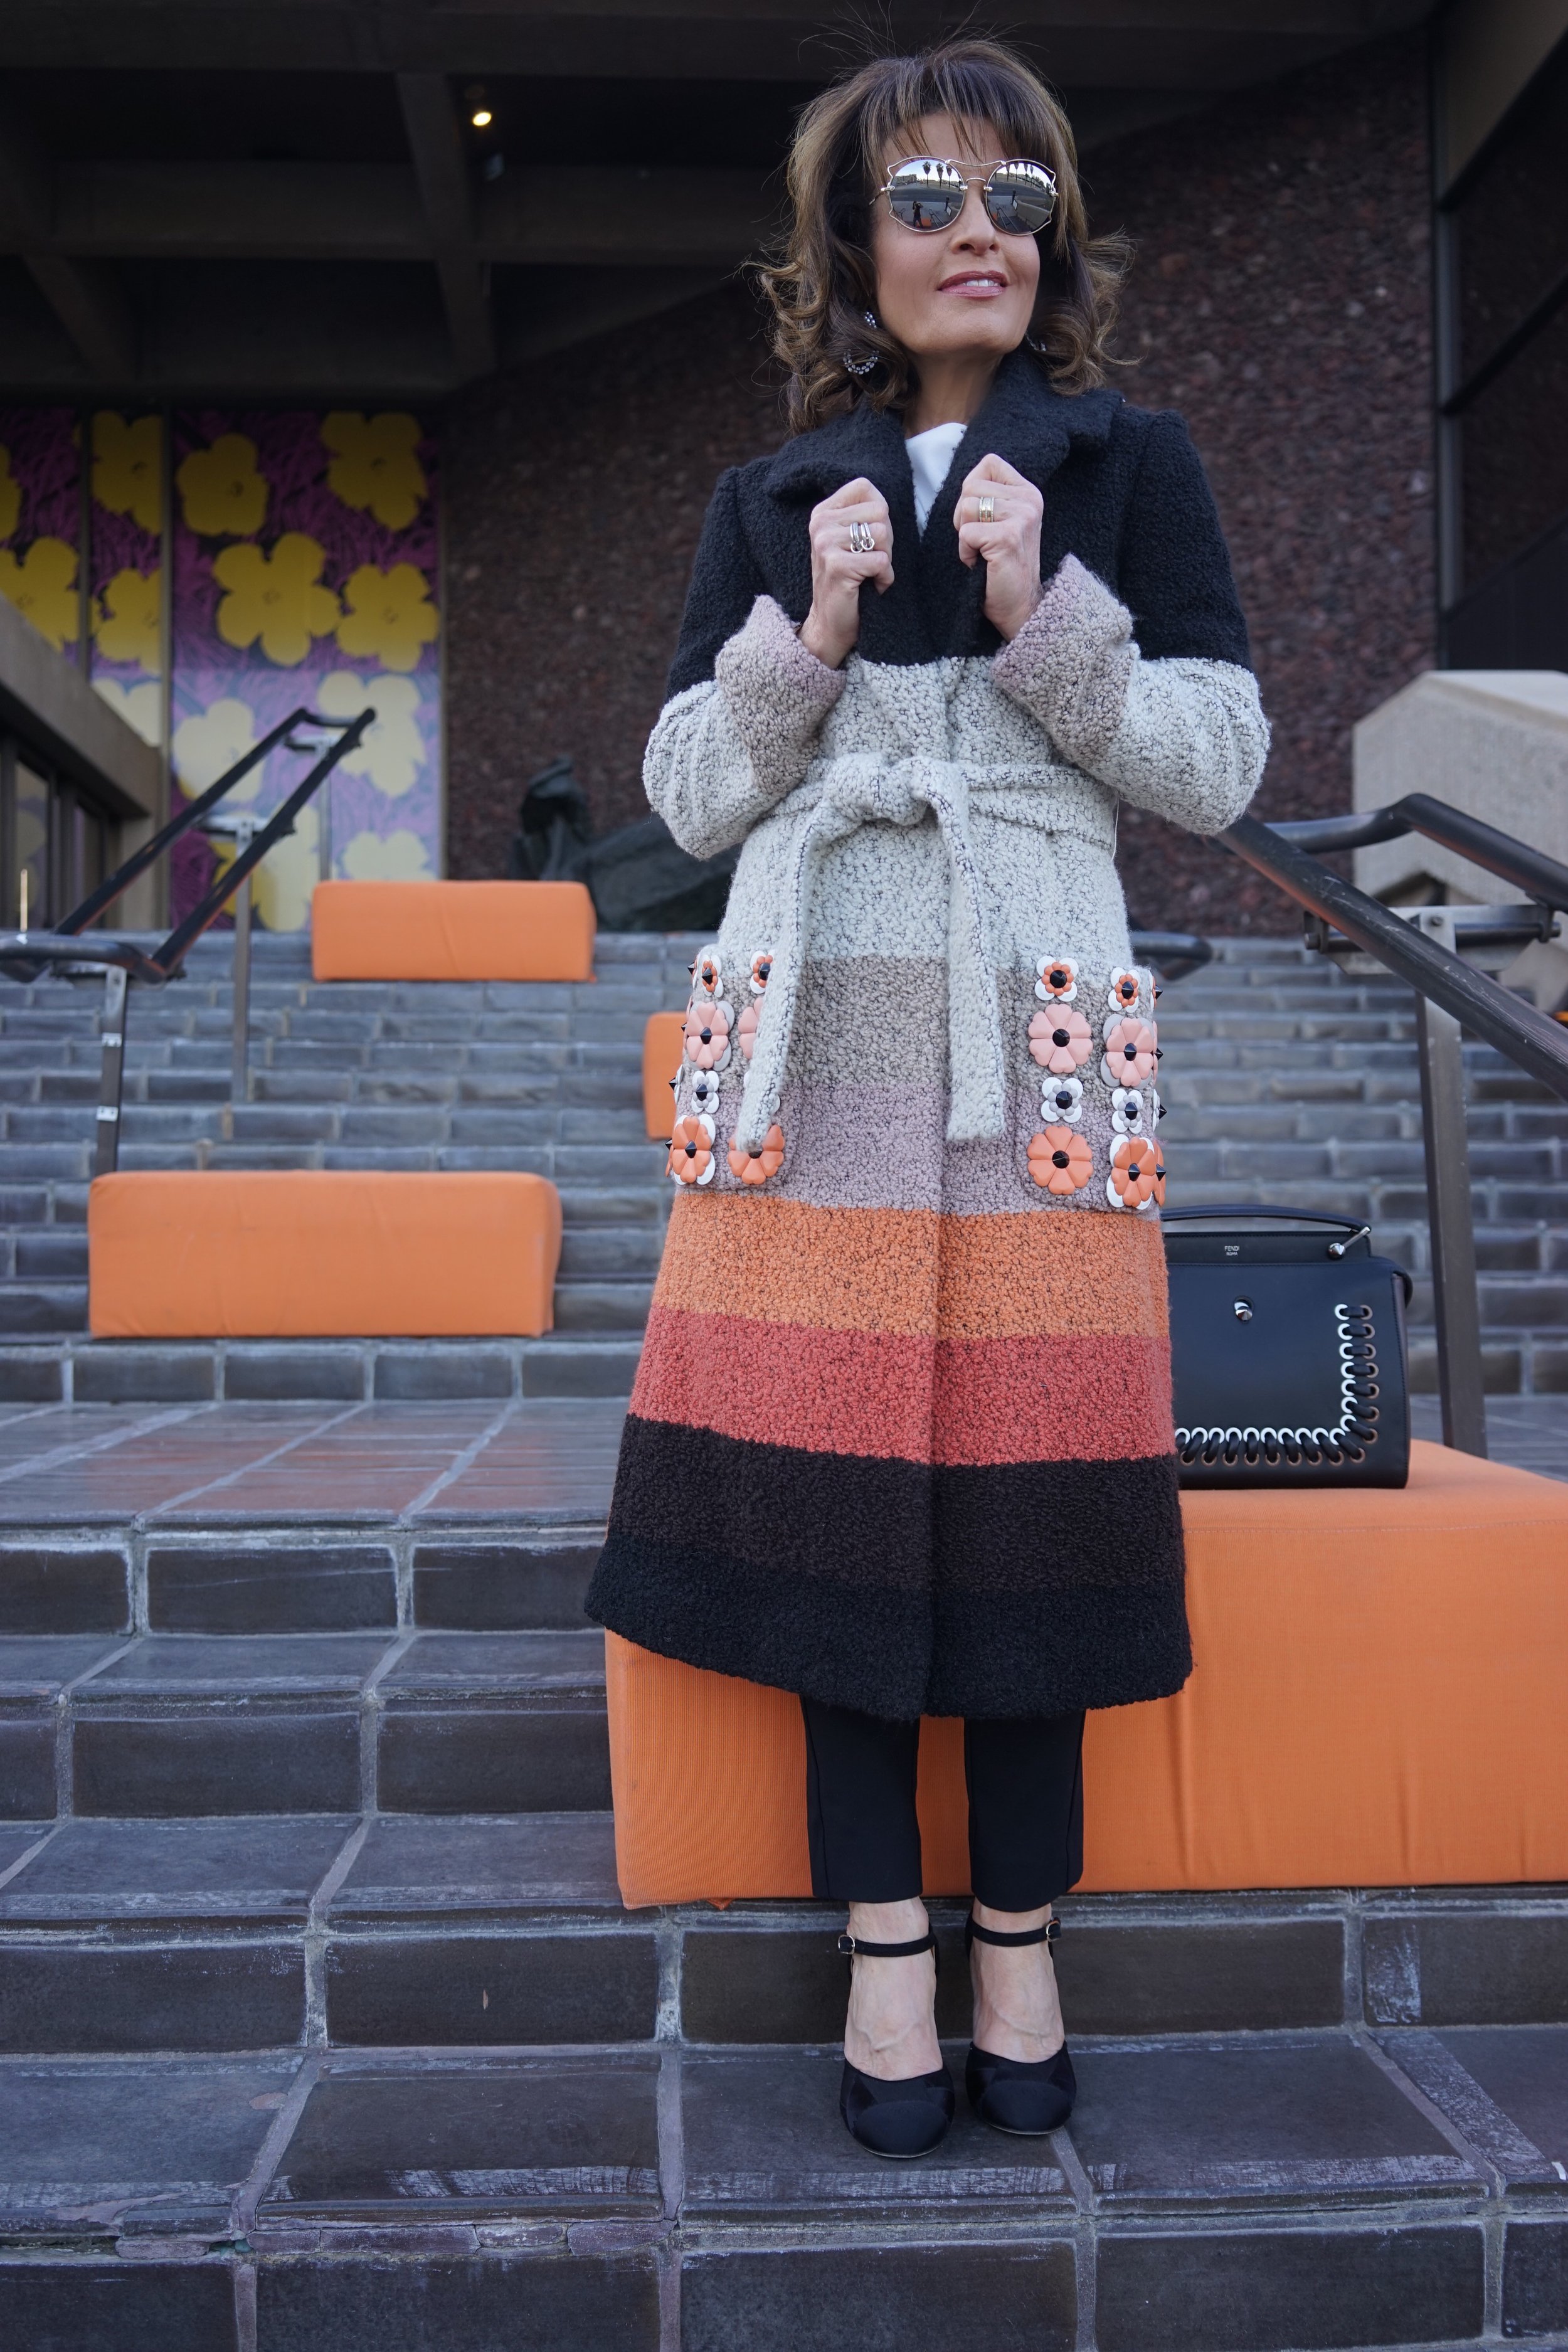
(451,930)
(321,1253)
(1379,1699)
(663,1050)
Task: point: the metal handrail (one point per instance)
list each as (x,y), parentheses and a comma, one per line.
(1529,870)
(71,947)
(1420,946)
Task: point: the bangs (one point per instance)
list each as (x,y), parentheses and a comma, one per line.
(980,93)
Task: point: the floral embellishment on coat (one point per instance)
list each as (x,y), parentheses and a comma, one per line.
(1062,1098)
(762,970)
(754,1163)
(1060,1041)
(1132,1049)
(746,1029)
(705,1091)
(691,1149)
(706,978)
(1135,1169)
(1128,988)
(1055,979)
(708,1036)
(1129,1115)
(1060,1160)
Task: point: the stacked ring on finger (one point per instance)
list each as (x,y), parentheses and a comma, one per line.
(862,538)
(984,507)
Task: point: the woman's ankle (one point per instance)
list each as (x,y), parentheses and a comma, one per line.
(889,1923)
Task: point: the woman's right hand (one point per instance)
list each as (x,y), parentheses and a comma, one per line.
(831,627)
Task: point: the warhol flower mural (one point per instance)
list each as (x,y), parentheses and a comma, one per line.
(40,519)
(305,571)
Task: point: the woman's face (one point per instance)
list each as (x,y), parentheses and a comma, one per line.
(966,289)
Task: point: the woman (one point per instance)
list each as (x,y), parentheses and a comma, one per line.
(901,1441)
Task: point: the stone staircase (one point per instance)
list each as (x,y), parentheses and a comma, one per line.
(1283,1080)
(320,2021)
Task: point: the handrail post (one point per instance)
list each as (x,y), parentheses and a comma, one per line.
(239,1088)
(111,1080)
(324,832)
(1451,1216)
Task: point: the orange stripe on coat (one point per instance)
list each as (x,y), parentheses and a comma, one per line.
(913,1271)
(905,1396)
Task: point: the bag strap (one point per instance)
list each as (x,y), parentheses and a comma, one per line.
(1260,1209)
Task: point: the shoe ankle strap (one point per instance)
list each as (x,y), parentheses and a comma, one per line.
(973,1933)
(850,1945)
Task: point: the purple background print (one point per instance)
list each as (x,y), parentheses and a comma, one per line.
(293,459)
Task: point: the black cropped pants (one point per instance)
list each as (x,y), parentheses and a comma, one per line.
(1026,1806)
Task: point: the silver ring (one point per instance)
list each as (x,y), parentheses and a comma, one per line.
(984,507)
(862,538)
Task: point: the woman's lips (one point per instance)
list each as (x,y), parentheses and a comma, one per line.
(976,286)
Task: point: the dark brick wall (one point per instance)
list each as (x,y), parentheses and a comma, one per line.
(1280,299)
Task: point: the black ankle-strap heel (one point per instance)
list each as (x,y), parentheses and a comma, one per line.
(1029,2097)
(907,2117)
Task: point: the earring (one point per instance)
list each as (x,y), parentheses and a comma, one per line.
(865,367)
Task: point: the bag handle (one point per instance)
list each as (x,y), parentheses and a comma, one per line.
(1260,1209)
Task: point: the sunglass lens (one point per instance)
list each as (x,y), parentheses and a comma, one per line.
(927,194)
(1021,198)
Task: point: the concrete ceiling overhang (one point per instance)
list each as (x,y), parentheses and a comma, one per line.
(278,196)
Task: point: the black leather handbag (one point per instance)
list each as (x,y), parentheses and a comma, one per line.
(1287,1351)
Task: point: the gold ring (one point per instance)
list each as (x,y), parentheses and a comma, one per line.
(986,508)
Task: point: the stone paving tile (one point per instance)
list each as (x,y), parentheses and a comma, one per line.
(549,1661)
(15,1837)
(91,1483)
(413,1863)
(266,1867)
(239,1663)
(558,2134)
(763,2137)
(40,1665)
(145,2144)
(1289,2118)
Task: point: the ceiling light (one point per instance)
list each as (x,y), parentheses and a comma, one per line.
(482,118)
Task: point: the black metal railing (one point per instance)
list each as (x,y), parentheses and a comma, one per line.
(73,948)
(1426,946)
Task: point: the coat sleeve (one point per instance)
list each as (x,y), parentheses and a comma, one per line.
(1153,696)
(745,699)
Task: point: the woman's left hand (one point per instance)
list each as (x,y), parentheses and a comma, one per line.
(1010,540)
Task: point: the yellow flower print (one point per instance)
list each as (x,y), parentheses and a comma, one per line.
(390,617)
(392,753)
(127,627)
(10,496)
(42,586)
(210,742)
(278,597)
(141,707)
(375,465)
(128,467)
(399,856)
(221,493)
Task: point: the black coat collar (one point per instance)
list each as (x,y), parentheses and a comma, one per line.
(934,597)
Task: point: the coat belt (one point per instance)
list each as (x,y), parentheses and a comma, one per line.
(857,789)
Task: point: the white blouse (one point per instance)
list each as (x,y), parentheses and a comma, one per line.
(930,460)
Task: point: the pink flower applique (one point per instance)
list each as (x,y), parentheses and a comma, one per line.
(1062,1099)
(1060,1041)
(707,1035)
(691,1150)
(1132,1049)
(746,1029)
(1055,979)
(1060,1160)
(762,970)
(1135,1169)
(754,1163)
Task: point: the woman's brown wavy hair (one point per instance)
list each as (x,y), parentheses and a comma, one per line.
(824,280)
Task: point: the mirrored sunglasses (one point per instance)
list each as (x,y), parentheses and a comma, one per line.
(929,194)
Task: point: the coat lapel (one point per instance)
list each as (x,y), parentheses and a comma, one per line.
(934,606)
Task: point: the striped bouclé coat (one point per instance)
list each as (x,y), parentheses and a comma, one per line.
(901,1436)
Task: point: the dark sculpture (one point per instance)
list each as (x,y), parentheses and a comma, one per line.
(638,876)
